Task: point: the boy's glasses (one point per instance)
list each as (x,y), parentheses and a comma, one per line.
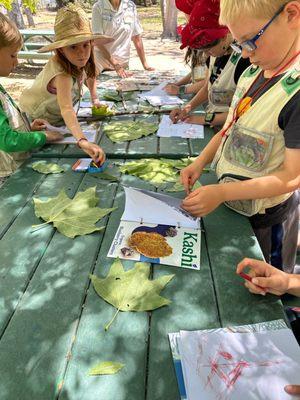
(250,44)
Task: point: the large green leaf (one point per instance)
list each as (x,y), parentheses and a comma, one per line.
(106,368)
(72,217)
(131,290)
(113,95)
(128,130)
(47,168)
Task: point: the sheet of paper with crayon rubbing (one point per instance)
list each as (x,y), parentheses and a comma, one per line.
(231,365)
(156,229)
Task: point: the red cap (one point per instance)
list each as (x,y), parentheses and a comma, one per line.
(203,27)
(185,6)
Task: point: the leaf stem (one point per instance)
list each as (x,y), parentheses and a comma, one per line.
(112,320)
(40,225)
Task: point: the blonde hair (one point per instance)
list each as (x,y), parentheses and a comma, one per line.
(230,10)
(9,34)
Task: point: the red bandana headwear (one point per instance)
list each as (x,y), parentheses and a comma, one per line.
(203,27)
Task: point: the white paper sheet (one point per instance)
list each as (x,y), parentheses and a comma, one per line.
(89,131)
(239,366)
(85,109)
(159,97)
(181,129)
(156,208)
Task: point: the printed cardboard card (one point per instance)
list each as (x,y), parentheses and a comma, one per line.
(155,229)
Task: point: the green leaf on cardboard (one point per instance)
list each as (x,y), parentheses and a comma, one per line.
(106,368)
(72,217)
(131,290)
(128,130)
(113,95)
(47,168)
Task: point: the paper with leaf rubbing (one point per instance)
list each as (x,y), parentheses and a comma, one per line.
(152,212)
(181,129)
(159,97)
(235,366)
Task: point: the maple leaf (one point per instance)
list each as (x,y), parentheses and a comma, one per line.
(72,217)
(131,290)
(106,368)
(128,130)
(47,168)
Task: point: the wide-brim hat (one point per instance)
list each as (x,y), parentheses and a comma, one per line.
(72,26)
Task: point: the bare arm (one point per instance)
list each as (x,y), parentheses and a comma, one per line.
(138,43)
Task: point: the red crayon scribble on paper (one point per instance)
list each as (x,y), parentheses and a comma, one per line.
(224,368)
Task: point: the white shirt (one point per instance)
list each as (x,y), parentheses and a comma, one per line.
(121,24)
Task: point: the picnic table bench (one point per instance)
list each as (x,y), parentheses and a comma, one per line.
(32,42)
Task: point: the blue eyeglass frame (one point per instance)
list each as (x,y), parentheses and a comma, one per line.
(250,44)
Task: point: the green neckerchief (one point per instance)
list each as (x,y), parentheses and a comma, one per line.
(22,115)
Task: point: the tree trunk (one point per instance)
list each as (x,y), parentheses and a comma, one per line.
(169,17)
(29,16)
(16,15)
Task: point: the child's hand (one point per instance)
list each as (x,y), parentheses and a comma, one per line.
(195,119)
(179,114)
(148,68)
(52,136)
(93,150)
(293,390)
(38,124)
(189,175)
(96,103)
(203,200)
(264,275)
(172,89)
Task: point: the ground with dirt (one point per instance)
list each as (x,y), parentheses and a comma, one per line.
(161,54)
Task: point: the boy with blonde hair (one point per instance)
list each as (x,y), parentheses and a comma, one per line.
(256,154)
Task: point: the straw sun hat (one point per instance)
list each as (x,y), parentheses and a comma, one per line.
(72,26)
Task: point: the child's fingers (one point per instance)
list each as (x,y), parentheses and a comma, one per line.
(254,289)
(258,266)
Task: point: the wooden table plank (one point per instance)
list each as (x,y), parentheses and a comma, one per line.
(193,307)
(230,238)
(35,345)
(125,341)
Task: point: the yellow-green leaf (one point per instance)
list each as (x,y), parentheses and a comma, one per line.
(128,130)
(72,217)
(106,368)
(47,168)
(131,290)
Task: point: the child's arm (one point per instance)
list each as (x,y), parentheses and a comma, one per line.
(219,119)
(205,199)
(92,85)
(12,140)
(63,84)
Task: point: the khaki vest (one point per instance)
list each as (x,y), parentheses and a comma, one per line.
(9,162)
(38,102)
(255,144)
(220,93)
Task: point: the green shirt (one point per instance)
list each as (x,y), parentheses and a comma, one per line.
(12,140)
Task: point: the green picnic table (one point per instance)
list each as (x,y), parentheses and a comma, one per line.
(52,321)
(34,39)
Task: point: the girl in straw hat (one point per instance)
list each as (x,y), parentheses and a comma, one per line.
(17,136)
(58,87)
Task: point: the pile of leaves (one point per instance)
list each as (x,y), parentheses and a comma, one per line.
(129,130)
(159,172)
(72,217)
(131,290)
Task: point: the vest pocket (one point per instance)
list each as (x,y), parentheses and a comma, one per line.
(248,149)
(220,97)
(244,207)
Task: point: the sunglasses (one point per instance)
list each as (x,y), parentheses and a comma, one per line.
(250,44)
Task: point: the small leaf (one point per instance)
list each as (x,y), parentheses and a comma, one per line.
(105,176)
(178,187)
(131,290)
(72,217)
(47,168)
(106,368)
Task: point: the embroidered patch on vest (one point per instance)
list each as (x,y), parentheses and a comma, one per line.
(251,71)
(291,83)
(235,58)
